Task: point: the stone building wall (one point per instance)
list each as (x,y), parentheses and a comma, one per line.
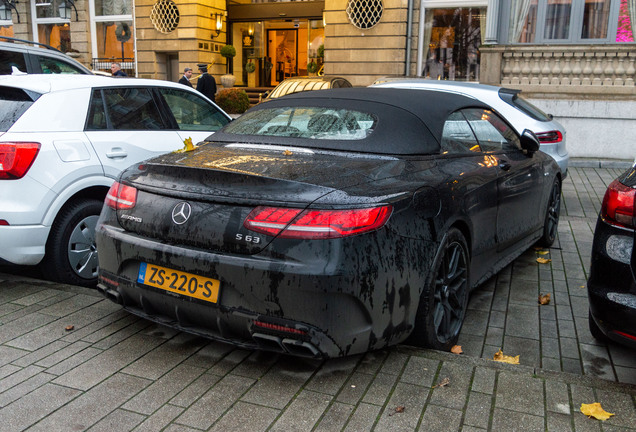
(362,55)
(191,41)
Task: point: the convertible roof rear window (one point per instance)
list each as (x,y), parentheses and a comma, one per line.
(311,122)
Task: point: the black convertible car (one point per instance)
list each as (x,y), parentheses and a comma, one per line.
(329,223)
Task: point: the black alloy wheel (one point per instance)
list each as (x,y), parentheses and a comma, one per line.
(551,222)
(443,303)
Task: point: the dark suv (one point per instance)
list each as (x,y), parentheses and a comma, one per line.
(612,284)
(35,58)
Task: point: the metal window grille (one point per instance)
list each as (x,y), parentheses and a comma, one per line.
(364,14)
(165,16)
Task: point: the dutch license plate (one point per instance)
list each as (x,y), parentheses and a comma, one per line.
(179,282)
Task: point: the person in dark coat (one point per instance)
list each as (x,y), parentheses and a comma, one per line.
(206,83)
(185,79)
(115,69)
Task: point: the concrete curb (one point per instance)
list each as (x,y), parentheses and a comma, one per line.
(600,163)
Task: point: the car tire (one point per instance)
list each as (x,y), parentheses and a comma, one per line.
(71,255)
(597,333)
(443,301)
(552,213)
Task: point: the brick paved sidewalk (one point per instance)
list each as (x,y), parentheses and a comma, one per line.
(115,372)
(504,313)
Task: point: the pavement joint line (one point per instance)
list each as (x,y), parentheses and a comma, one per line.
(565,377)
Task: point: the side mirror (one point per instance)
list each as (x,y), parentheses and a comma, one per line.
(529,142)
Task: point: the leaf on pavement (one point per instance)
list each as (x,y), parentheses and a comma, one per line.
(69,327)
(544,299)
(397,409)
(595,410)
(288,153)
(443,383)
(457,349)
(543,252)
(501,357)
(543,260)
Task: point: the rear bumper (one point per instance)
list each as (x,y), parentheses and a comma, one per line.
(611,286)
(314,308)
(23,245)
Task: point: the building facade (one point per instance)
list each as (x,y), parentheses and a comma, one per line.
(574,58)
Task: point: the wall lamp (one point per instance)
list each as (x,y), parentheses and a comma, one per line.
(65,9)
(218,24)
(9,5)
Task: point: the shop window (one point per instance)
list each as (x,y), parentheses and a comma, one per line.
(453,43)
(570,21)
(113,35)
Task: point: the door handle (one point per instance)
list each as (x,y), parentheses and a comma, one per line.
(117,153)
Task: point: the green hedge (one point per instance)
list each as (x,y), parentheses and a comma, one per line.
(233,100)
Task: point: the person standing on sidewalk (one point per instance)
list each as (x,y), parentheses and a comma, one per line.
(115,68)
(206,83)
(185,79)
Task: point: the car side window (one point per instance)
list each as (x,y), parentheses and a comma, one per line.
(457,136)
(492,132)
(96,112)
(192,112)
(54,66)
(128,108)
(9,59)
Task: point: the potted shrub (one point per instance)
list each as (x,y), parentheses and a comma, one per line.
(228,80)
(233,100)
(312,67)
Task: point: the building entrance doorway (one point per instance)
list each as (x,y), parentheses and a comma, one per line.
(282,48)
(269,51)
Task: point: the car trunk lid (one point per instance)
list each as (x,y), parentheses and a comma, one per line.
(202,198)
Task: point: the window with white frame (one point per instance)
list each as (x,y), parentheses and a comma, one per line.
(51,24)
(112,29)
(571,21)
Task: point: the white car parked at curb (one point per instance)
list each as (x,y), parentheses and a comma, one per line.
(508,102)
(63,141)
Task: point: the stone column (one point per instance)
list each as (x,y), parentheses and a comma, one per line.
(492,22)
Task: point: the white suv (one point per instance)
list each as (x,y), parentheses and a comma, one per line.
(63,141)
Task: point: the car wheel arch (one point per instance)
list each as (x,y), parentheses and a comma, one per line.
(91,187)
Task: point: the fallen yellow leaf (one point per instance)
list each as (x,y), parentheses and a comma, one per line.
(188,144)
(501,357)
(595,410)
(543,252)
(456,349)
(287,153)
(544,299)
(543,260)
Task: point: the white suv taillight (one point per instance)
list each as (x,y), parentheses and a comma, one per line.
(551,137)
(16,158)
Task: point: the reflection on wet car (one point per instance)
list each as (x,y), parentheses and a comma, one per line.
(329,223)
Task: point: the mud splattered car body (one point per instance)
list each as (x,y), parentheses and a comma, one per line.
(328,223)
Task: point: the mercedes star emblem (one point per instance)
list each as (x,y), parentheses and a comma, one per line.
(181,213)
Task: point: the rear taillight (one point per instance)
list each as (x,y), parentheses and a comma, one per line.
(550,137)
(618,205)
(316,224)
(16,158)
(121,197)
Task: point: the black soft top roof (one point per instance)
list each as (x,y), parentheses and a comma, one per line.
(409,121)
